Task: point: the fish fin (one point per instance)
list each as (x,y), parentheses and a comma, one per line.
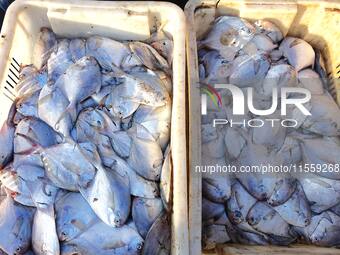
(294,43)
(70,109)
(36,147)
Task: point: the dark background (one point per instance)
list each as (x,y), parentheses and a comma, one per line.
(180,3)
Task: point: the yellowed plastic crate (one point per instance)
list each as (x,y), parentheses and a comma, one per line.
(120,20)
(317,22)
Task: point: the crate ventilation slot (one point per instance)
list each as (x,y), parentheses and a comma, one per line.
(12,80)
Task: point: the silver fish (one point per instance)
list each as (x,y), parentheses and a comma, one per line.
(278,76)
(249,71)
(325,116)
(217,188)
(102,239)
(15,227)
(144,213)
(80,81)
(285,186)
(322,151)
(310,80)
(270,134)
(109,53)
(77,49)
(157,121)
(158,239)
(140,187)
(328,192)
(239,203)
(44,232)
(214,234)
(52,105)
(73,216)
(163,43)
(270,29)
(144,146)
(290,151)
(261,43)
(125,98)
(234,143)
(6,138)
(299,53)
(166,179)
(228,35)
(44,46)
(211,210)
(324,230)
(27,105)
(60,166)
(149,57)
(109,196)
(31,80)
(265,219)
(217,69)
(59,61)
(296,210)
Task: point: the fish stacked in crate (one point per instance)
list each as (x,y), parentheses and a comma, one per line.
(301,205)
(85,157)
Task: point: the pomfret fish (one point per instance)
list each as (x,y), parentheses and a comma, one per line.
(109,53)
(73,216)
(145,146)
(296,210)
(102,239)
(324,230)
(325,116)
(59,61)
(322,151)
(15,227)
(311,80)
(279,76)
(211,210)
(214,234)
(265,219)
(156,120)
(6,138)
(77,49)
(80,81)
(44,46)
(31,80)
(249,71)
(44,232)
(217,188)
(328,192)
(149,57)
(166,180)
(228,35)
(158,239)
(270,29)
(108,194)
(144,213)
(52,105)
(139,186)
(239,203)
(27,105)
(299,53)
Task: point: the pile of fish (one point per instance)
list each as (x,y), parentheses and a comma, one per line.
(85,158)
(276,208)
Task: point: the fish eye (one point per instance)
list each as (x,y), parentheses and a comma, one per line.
(139,246)
(307,222)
